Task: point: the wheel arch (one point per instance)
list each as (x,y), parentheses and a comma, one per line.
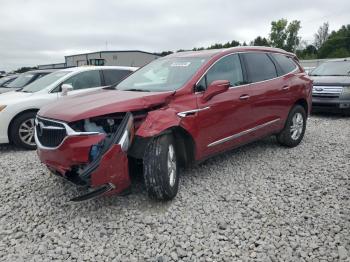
(16,116)
(185,145)
(303,102)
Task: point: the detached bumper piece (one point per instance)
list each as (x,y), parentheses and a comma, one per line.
(108,171)
(97,192)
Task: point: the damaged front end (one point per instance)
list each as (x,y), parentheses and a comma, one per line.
(101,162)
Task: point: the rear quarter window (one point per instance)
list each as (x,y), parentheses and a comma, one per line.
(259,67)
(286,63)
(112,76)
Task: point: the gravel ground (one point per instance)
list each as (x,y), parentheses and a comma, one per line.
(260,202)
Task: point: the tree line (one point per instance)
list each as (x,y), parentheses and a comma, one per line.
(285,35)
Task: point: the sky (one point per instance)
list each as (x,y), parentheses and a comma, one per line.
(36,32)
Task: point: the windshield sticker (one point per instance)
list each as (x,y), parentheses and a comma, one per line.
(180,64)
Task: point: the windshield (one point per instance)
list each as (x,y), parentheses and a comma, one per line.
(44,82)
(22,80)
(332,68)
(164,74)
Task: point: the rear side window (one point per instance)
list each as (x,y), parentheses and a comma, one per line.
(84,80)
(228,68)
(114,76)
(286,63)
(259,67)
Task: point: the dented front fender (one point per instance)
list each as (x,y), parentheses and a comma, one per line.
(158,121)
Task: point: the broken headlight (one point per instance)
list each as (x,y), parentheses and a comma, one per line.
(128,133)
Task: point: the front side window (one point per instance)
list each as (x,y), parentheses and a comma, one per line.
(114,76)
(84,80)
(286,63)
(259,67)
(228,68)
(163,74)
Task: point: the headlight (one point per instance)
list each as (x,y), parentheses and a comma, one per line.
(346,90)
(128,134)
(2,107)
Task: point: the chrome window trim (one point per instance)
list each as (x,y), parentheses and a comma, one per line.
(69,130)
(206,71)
(245,132)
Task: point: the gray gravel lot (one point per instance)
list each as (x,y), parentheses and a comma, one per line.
(260,202)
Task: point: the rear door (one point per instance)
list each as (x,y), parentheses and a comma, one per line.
(222,119)
(265,90)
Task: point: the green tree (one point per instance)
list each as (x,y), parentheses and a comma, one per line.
(337,44)
(321,35)
(260,41)
(284,35)
(310,52)
(25,69)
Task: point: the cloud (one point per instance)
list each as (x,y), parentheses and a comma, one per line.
(39,32)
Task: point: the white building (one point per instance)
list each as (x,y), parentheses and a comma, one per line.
(108,58)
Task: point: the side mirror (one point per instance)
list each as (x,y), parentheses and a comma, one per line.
(215,88)
(66,88)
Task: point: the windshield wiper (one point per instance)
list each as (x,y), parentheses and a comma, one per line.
(136,89)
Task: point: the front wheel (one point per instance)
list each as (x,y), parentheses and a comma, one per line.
(294,129)
(160,168)
(22,131)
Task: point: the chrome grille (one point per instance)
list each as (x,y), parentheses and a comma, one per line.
(49,133)
(327,91)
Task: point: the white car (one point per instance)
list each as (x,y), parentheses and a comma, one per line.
(18,108)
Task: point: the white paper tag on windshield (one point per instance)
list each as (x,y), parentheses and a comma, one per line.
(181,64)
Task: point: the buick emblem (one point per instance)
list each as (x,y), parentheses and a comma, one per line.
(40,128)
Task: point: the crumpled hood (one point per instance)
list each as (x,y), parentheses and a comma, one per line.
(101,102)
(14,97)
(331,80)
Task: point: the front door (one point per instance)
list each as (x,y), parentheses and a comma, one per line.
(224,117)
(84,81)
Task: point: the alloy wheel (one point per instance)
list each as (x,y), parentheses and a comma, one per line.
(171,165)
(297,126)
(26,132)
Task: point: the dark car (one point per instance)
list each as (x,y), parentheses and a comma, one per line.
(331,91)
(5,81)
(26,78)
(178,109)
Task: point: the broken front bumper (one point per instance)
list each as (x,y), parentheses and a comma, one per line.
(105,171)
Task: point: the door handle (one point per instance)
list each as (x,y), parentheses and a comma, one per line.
(285,87)
(244,97)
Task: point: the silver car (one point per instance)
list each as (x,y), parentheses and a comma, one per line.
(331,90)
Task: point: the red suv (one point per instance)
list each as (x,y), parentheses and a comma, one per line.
(179,109)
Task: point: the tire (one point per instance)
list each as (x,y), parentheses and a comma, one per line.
(24,123)
(161,169)
(294,129)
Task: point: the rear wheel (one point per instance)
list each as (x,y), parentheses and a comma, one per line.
(160,168)
(294,130)
(22,131)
